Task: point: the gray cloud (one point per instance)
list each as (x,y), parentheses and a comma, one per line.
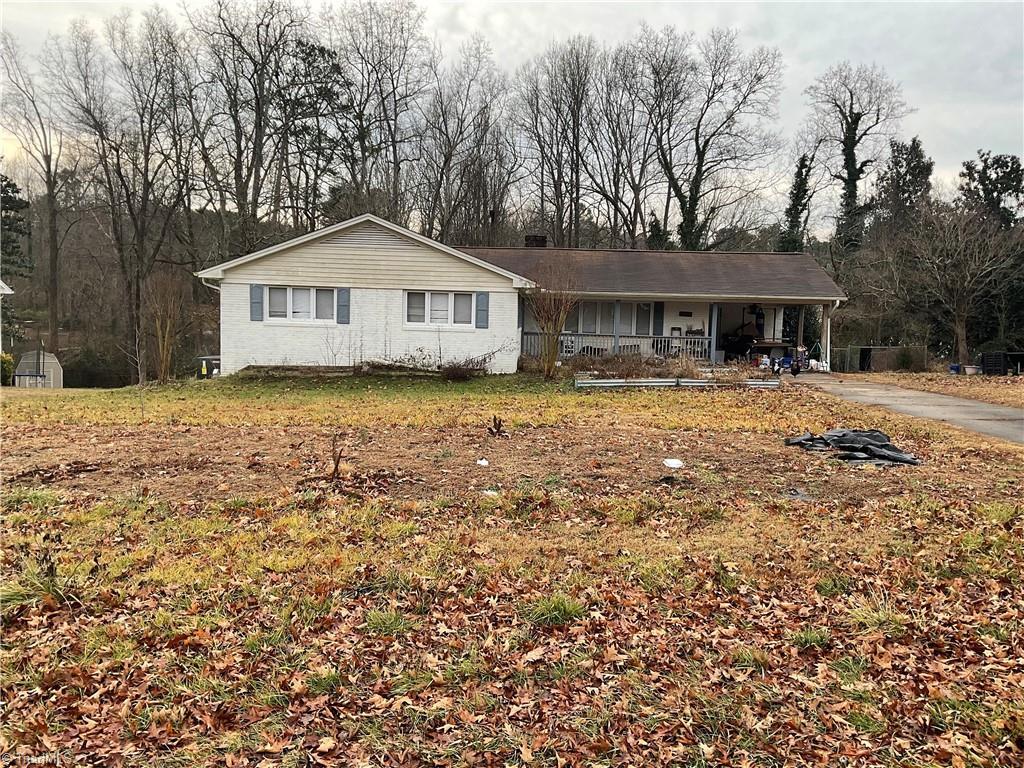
(961,64)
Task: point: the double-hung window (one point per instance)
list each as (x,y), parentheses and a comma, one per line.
(598,317)
(439,308)
(288,303)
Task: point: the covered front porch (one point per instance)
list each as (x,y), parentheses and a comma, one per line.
(710,331)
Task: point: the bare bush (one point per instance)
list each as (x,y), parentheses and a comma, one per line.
(551,302)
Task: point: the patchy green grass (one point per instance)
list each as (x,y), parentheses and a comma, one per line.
(812,637)
(877,612)
(554,610)
(834,585)
(210,597)
(387,622)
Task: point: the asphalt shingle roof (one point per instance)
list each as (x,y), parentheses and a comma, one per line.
(673,273)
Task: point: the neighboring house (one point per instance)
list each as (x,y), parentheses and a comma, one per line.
(369,290)
(5,290)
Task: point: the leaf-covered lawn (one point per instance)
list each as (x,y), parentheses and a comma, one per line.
(998,390)
(193,587)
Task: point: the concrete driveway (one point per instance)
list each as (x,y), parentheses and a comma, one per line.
(984,418)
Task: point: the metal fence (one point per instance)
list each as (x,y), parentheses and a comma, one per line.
(854,358)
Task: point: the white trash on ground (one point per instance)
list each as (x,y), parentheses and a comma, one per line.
(673,463)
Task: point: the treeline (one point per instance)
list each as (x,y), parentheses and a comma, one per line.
(152,148)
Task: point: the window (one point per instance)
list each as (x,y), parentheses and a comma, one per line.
(463,312)
(588,315)
(607,316)
(626,319)
(300,303)
(278,302)
(439,308)
(416,307)
(643,319)
(572,320)
(324,303)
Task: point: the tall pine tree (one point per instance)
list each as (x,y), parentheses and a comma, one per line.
(13,226)
(904,183)
(795,224)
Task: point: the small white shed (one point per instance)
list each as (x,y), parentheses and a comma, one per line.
(39,369)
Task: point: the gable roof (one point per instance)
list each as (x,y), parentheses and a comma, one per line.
(217,272)
(682,274)
(5,289)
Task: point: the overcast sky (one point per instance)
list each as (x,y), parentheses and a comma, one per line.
(961,64)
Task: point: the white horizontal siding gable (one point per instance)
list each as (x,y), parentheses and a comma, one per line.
(368,256)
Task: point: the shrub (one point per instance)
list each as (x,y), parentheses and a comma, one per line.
(686,368)
(6,369)
(465,369)
(93,368)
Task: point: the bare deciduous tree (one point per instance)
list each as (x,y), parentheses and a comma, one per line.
(619,155)
(711,110)
(854,112)
(165,304)
(30,113)
(118,98)
(956,257)
(551,302)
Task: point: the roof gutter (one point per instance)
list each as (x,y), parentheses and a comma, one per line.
(835,300)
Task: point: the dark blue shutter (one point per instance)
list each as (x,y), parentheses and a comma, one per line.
(344,302)
(256,302)
(522,312)
(482,308)
(659,318)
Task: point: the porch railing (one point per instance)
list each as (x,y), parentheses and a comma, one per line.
(601,345)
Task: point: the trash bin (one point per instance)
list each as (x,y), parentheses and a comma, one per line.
(207,366)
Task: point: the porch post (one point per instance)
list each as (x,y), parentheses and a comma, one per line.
(615,327)
(713,331)
(826,335)
(800,326)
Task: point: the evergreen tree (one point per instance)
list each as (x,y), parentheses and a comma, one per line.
(904,183)
(13,226)
(658,238)
(994,186)
(792,236)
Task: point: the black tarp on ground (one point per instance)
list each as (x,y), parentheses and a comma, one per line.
(857,446)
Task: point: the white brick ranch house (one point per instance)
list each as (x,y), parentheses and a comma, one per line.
(368,290)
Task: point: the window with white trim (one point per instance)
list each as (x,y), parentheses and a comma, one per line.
(598,317)
(441,308)
(303,304)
